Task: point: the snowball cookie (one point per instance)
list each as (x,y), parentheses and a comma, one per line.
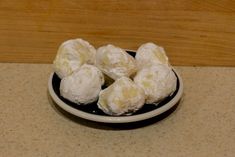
(123,97)
(115,62)
(83,86)
(158,82)
(71,55)
(149,54)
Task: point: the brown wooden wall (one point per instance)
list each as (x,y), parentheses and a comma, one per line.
(193,32)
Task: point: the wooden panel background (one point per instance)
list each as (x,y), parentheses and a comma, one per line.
(192,32)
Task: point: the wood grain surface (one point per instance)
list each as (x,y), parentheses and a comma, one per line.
(192,32)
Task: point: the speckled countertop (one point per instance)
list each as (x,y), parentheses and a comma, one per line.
(202,125)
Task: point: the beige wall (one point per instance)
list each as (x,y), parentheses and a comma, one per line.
(192,32)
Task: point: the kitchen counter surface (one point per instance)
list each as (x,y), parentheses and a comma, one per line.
(203,124)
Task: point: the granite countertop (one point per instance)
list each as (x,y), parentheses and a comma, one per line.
(202,125)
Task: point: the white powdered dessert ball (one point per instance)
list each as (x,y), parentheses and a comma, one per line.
(83,86)
(115,62)
(71,55)
(149,54)
(123,97)
(157,81)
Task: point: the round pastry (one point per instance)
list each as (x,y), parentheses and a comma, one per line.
(149,54)
(71,55)
(123,97)
(83,86)
(115,62)
(157,81)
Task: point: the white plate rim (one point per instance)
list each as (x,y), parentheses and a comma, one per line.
(123,119)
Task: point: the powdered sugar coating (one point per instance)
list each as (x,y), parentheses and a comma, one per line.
(149,54)
(83,86)
(123,97)
(115,62)
(71,55)
(157,81)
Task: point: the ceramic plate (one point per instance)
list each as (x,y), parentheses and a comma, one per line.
(93,113)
